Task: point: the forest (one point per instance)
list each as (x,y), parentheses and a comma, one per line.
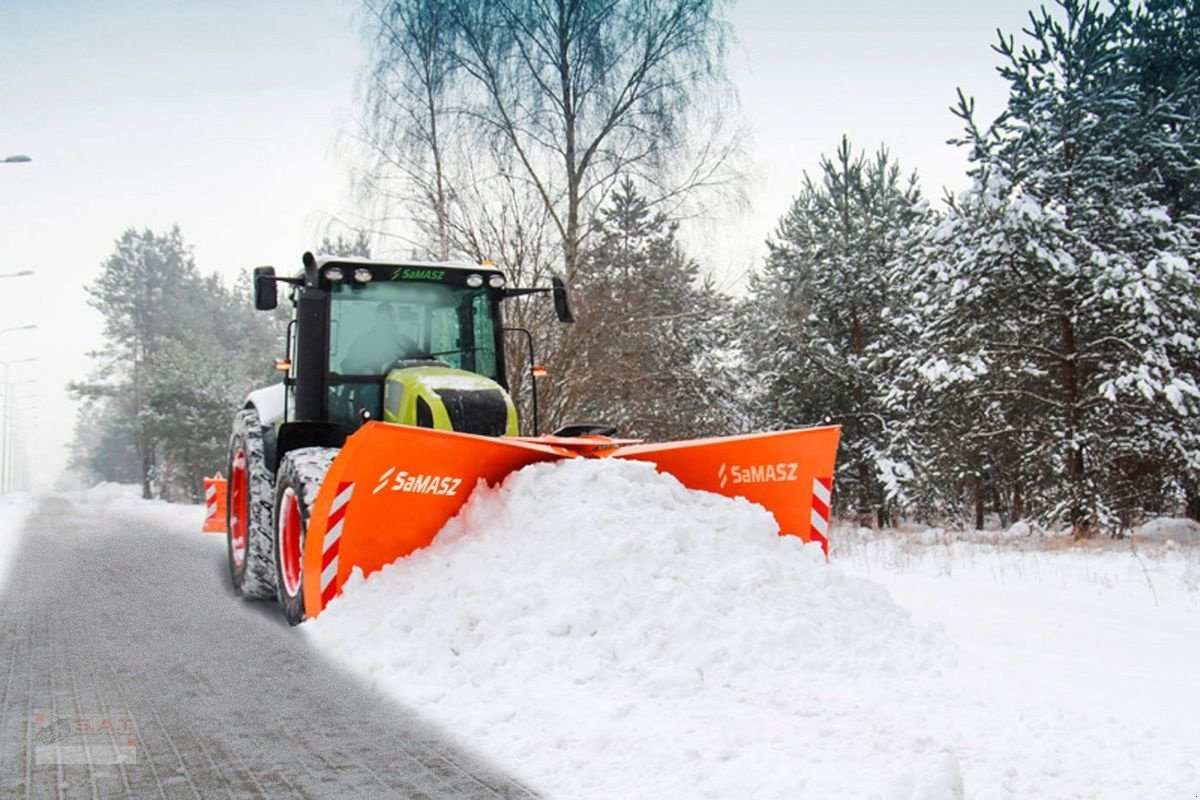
(1028,349)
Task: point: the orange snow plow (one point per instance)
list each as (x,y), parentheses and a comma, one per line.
(391,488)
(394,404)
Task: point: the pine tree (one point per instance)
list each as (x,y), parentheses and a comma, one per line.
(181,352)
(650,330)
(820,318)
(1063,296)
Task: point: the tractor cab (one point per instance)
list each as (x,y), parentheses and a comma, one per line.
(412,343)
(413,331)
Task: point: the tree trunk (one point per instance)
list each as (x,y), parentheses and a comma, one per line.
(979,504)
(1081,524)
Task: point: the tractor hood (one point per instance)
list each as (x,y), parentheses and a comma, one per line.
(442,397)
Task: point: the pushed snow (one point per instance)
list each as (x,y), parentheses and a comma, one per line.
(604,632)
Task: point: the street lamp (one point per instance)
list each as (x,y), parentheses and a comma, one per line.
(16,160)
(10,428)
(17,274)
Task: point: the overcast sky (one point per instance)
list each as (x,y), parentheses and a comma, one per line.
(223,116)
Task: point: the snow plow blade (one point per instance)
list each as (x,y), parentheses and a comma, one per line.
(789,473)
(393,487)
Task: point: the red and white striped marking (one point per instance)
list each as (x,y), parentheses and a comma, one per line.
(819,531)
(210,501)
(333,535)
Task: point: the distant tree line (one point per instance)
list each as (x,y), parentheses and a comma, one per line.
(181,351)
(1028,349)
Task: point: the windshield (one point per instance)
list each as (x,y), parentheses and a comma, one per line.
(375,325)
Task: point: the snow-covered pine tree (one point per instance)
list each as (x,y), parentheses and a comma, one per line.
(181,351)
(1061,290)
(653,332)
(820,319)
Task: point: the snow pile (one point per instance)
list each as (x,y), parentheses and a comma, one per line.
(14,508)
(602,631)
(1168,529)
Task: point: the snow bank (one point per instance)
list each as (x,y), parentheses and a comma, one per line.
(126,500)
(14,508)
(604,632)
(1169,529)
(1158,566)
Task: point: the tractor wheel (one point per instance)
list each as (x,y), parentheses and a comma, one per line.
(250,492)
(300,475)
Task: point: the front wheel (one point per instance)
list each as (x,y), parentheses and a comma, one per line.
(248,510)
(299,479)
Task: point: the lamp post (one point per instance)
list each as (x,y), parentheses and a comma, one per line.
(7,421)
(9,427)
(18,452)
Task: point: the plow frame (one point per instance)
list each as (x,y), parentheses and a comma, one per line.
(392,488)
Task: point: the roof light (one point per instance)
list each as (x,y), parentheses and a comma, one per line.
(362,275)
(474,280)
(335,274)
(496,281)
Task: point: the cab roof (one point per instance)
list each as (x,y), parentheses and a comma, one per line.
(324,259)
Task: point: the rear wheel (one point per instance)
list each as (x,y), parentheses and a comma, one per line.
(250,491)
(300,475)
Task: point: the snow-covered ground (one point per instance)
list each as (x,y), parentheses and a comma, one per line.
(603,632)
(13,510)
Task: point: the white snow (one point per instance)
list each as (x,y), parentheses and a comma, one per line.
(107,498)
(599,631)
(126,500)
(270,402)
(14,508)
(602,632)
(1169,529)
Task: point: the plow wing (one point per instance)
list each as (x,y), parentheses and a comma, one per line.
(392,487)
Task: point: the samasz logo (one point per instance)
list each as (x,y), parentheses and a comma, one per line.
(404,481)
(410,274)
(757,473)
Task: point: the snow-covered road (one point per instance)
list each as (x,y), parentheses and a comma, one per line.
(121,645)
(599,632)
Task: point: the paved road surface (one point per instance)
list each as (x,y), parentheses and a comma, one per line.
(122,643)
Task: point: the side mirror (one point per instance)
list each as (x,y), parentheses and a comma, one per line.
(266,293)
(561,306)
